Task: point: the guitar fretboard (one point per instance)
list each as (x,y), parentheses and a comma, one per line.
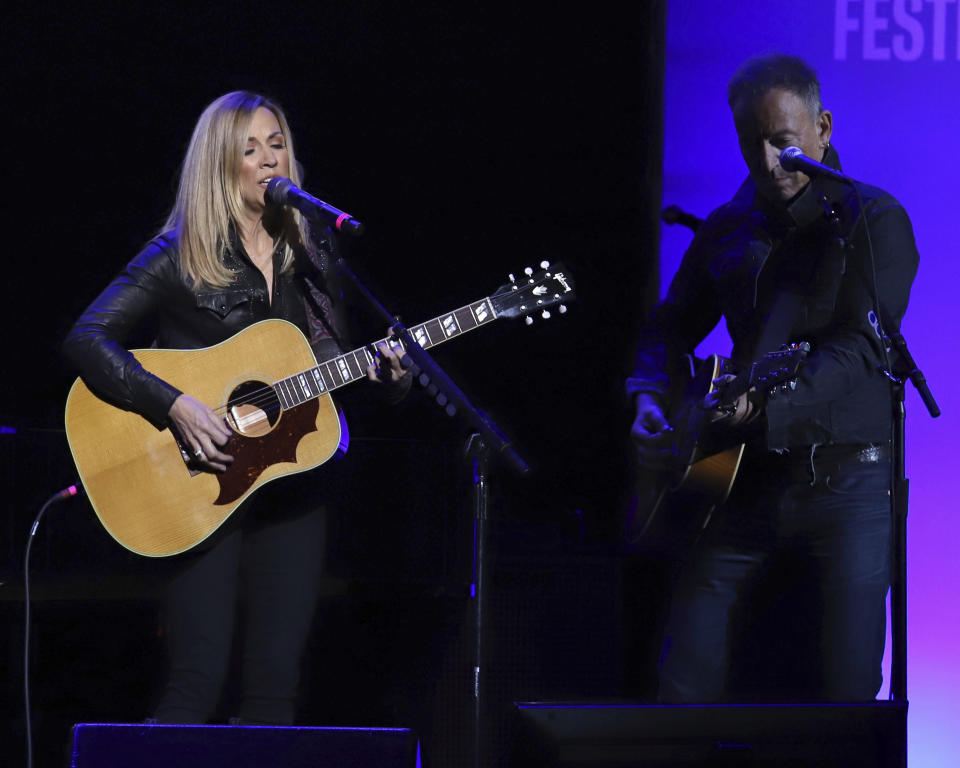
(347,368)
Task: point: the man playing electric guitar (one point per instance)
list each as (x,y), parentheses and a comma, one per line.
(788,259)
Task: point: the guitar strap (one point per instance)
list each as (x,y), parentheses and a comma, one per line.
(780,320)
(314,282)
(822,284)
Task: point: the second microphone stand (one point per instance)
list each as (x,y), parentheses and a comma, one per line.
(486,443)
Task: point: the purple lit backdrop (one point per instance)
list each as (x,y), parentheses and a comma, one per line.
(890,73)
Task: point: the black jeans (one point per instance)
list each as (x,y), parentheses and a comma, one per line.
(260,578)
(834,532)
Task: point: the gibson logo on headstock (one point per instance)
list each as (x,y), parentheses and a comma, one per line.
(563,281)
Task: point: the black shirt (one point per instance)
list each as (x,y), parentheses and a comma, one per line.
(745,254)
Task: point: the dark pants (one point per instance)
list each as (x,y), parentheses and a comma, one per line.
(261,580)
(834,536)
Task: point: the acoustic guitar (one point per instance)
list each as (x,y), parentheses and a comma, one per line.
(671,508)
(274,397)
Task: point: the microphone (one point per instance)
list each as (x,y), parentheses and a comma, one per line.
(792,159)
(69,492)
(674,214)
(281,191)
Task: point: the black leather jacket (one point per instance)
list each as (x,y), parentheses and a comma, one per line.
(151,294)
(746,253)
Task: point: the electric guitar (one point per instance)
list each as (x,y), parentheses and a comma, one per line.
(672,508)
(274,397)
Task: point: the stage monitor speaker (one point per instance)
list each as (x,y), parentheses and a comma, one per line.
(786,736)
(195,746)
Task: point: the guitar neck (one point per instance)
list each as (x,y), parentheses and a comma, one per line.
(347,368)
(772,369)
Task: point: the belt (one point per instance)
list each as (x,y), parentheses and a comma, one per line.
(835,459)
(807,464)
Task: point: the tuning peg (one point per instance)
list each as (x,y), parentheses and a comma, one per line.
(545,314)
(528,320)
(528,271)
(544,264)
(562,309)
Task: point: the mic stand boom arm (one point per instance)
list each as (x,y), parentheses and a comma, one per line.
(449,394)
(915,375)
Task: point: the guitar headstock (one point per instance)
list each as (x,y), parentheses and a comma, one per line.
(778,370)
(551,286)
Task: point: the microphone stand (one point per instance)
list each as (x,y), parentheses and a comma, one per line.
(476,449)
(486,443)
(900,490)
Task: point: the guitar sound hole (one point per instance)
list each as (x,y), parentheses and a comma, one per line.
(253,408)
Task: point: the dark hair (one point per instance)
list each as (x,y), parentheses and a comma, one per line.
(762,74)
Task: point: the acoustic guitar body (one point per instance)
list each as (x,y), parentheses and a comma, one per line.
(141,483)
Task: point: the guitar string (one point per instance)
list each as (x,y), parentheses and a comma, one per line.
(267,399)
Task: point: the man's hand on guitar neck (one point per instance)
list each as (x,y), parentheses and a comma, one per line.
(651,433)
(742,411)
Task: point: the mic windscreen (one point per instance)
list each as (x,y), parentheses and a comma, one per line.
(277,189)
(671,214)
(788,156)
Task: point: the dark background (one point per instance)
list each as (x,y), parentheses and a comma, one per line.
(473,140)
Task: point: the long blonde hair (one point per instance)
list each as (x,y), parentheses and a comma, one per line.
(208,198)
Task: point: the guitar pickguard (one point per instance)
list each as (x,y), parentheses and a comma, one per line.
(253,455)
